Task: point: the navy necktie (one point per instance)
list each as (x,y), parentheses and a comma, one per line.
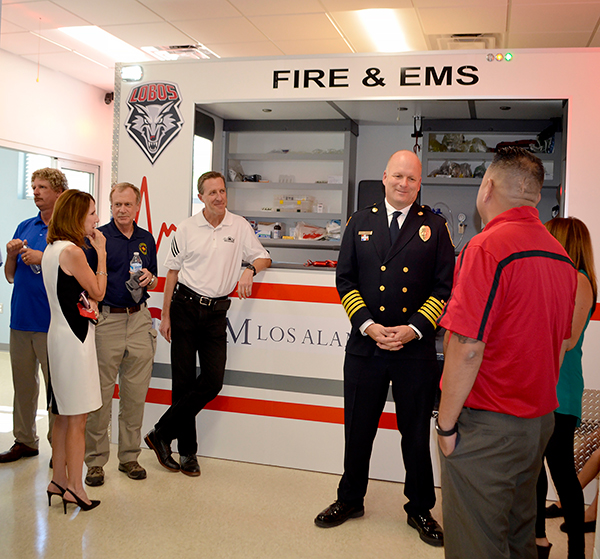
(394,229)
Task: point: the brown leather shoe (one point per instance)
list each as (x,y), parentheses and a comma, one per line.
(18,450)
(189,465)
(133,470)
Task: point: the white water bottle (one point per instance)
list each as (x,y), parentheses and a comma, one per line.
(35,268)
(136,263)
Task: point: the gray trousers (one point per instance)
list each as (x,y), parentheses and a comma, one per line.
(125,344)
(489,485)
(27,349)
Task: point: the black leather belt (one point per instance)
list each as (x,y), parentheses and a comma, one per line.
(121,310)
(200,299)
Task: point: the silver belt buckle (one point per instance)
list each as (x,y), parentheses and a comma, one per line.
(204,301)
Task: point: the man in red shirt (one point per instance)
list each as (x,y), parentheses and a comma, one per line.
(508,320)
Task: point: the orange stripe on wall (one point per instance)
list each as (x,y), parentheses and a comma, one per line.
(268,408)
(283,292)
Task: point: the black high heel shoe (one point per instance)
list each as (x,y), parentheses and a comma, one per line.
(50,493)
(82,504)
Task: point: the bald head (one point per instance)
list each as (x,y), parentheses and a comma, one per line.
(402,179)
(404,156)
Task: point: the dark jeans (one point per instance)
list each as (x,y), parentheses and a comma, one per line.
(559,455)
(194,330)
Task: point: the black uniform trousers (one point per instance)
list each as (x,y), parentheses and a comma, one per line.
(195,330)
(366,385)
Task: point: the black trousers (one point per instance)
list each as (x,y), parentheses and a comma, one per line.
(559,455)
(366,385)
(195,330)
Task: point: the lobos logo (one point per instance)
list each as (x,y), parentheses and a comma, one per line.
(154,118)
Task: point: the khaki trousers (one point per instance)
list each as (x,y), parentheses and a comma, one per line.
(27,349)
(125,344)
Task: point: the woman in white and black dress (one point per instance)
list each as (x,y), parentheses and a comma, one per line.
(74,380)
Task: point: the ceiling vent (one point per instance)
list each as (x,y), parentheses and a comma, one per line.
(465,41)
(178,52)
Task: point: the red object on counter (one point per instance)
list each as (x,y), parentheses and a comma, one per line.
(322,263)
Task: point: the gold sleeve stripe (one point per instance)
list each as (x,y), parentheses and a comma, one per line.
(432,309)
(352,301)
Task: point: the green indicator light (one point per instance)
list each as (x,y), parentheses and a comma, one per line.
(508,57)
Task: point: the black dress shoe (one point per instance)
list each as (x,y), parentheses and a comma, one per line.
(17,451)
(162,450)
(337,513)
(429,530)
(189,465)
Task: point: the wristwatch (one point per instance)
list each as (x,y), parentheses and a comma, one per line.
(251,267)
(443,433)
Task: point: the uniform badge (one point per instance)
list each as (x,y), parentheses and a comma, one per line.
(143,248)
(425,233)
(374,210)
(228,240)
(365,235)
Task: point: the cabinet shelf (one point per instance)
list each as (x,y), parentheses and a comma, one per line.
(475,156)
(285,185)
(286,156)
(254,148)
(298,243)
(281,216)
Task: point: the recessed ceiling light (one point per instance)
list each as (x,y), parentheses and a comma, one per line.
(384,29)
(267,110)
(504,108)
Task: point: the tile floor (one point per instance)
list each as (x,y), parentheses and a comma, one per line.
(232,510)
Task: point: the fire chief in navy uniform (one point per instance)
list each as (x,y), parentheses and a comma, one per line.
(394,276)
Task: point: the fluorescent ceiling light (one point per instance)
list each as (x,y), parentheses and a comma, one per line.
(384,29)
(109,45)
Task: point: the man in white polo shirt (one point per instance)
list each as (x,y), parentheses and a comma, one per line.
(203,268)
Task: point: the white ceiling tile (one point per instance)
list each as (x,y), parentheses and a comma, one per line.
(244,50)
(8,27)
(40,15)
(452,4)
(547,40)
(349,5)
(277,7)
(110,12)
(225,30)
(26,43)
(78,68)
(296,27)
(463,19)
(177,10)
(319,46)
(565,18)
(149,34)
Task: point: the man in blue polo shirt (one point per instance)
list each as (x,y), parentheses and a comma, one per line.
(125,339)
(30,313)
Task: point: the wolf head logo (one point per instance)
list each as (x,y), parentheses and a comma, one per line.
(154,118)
